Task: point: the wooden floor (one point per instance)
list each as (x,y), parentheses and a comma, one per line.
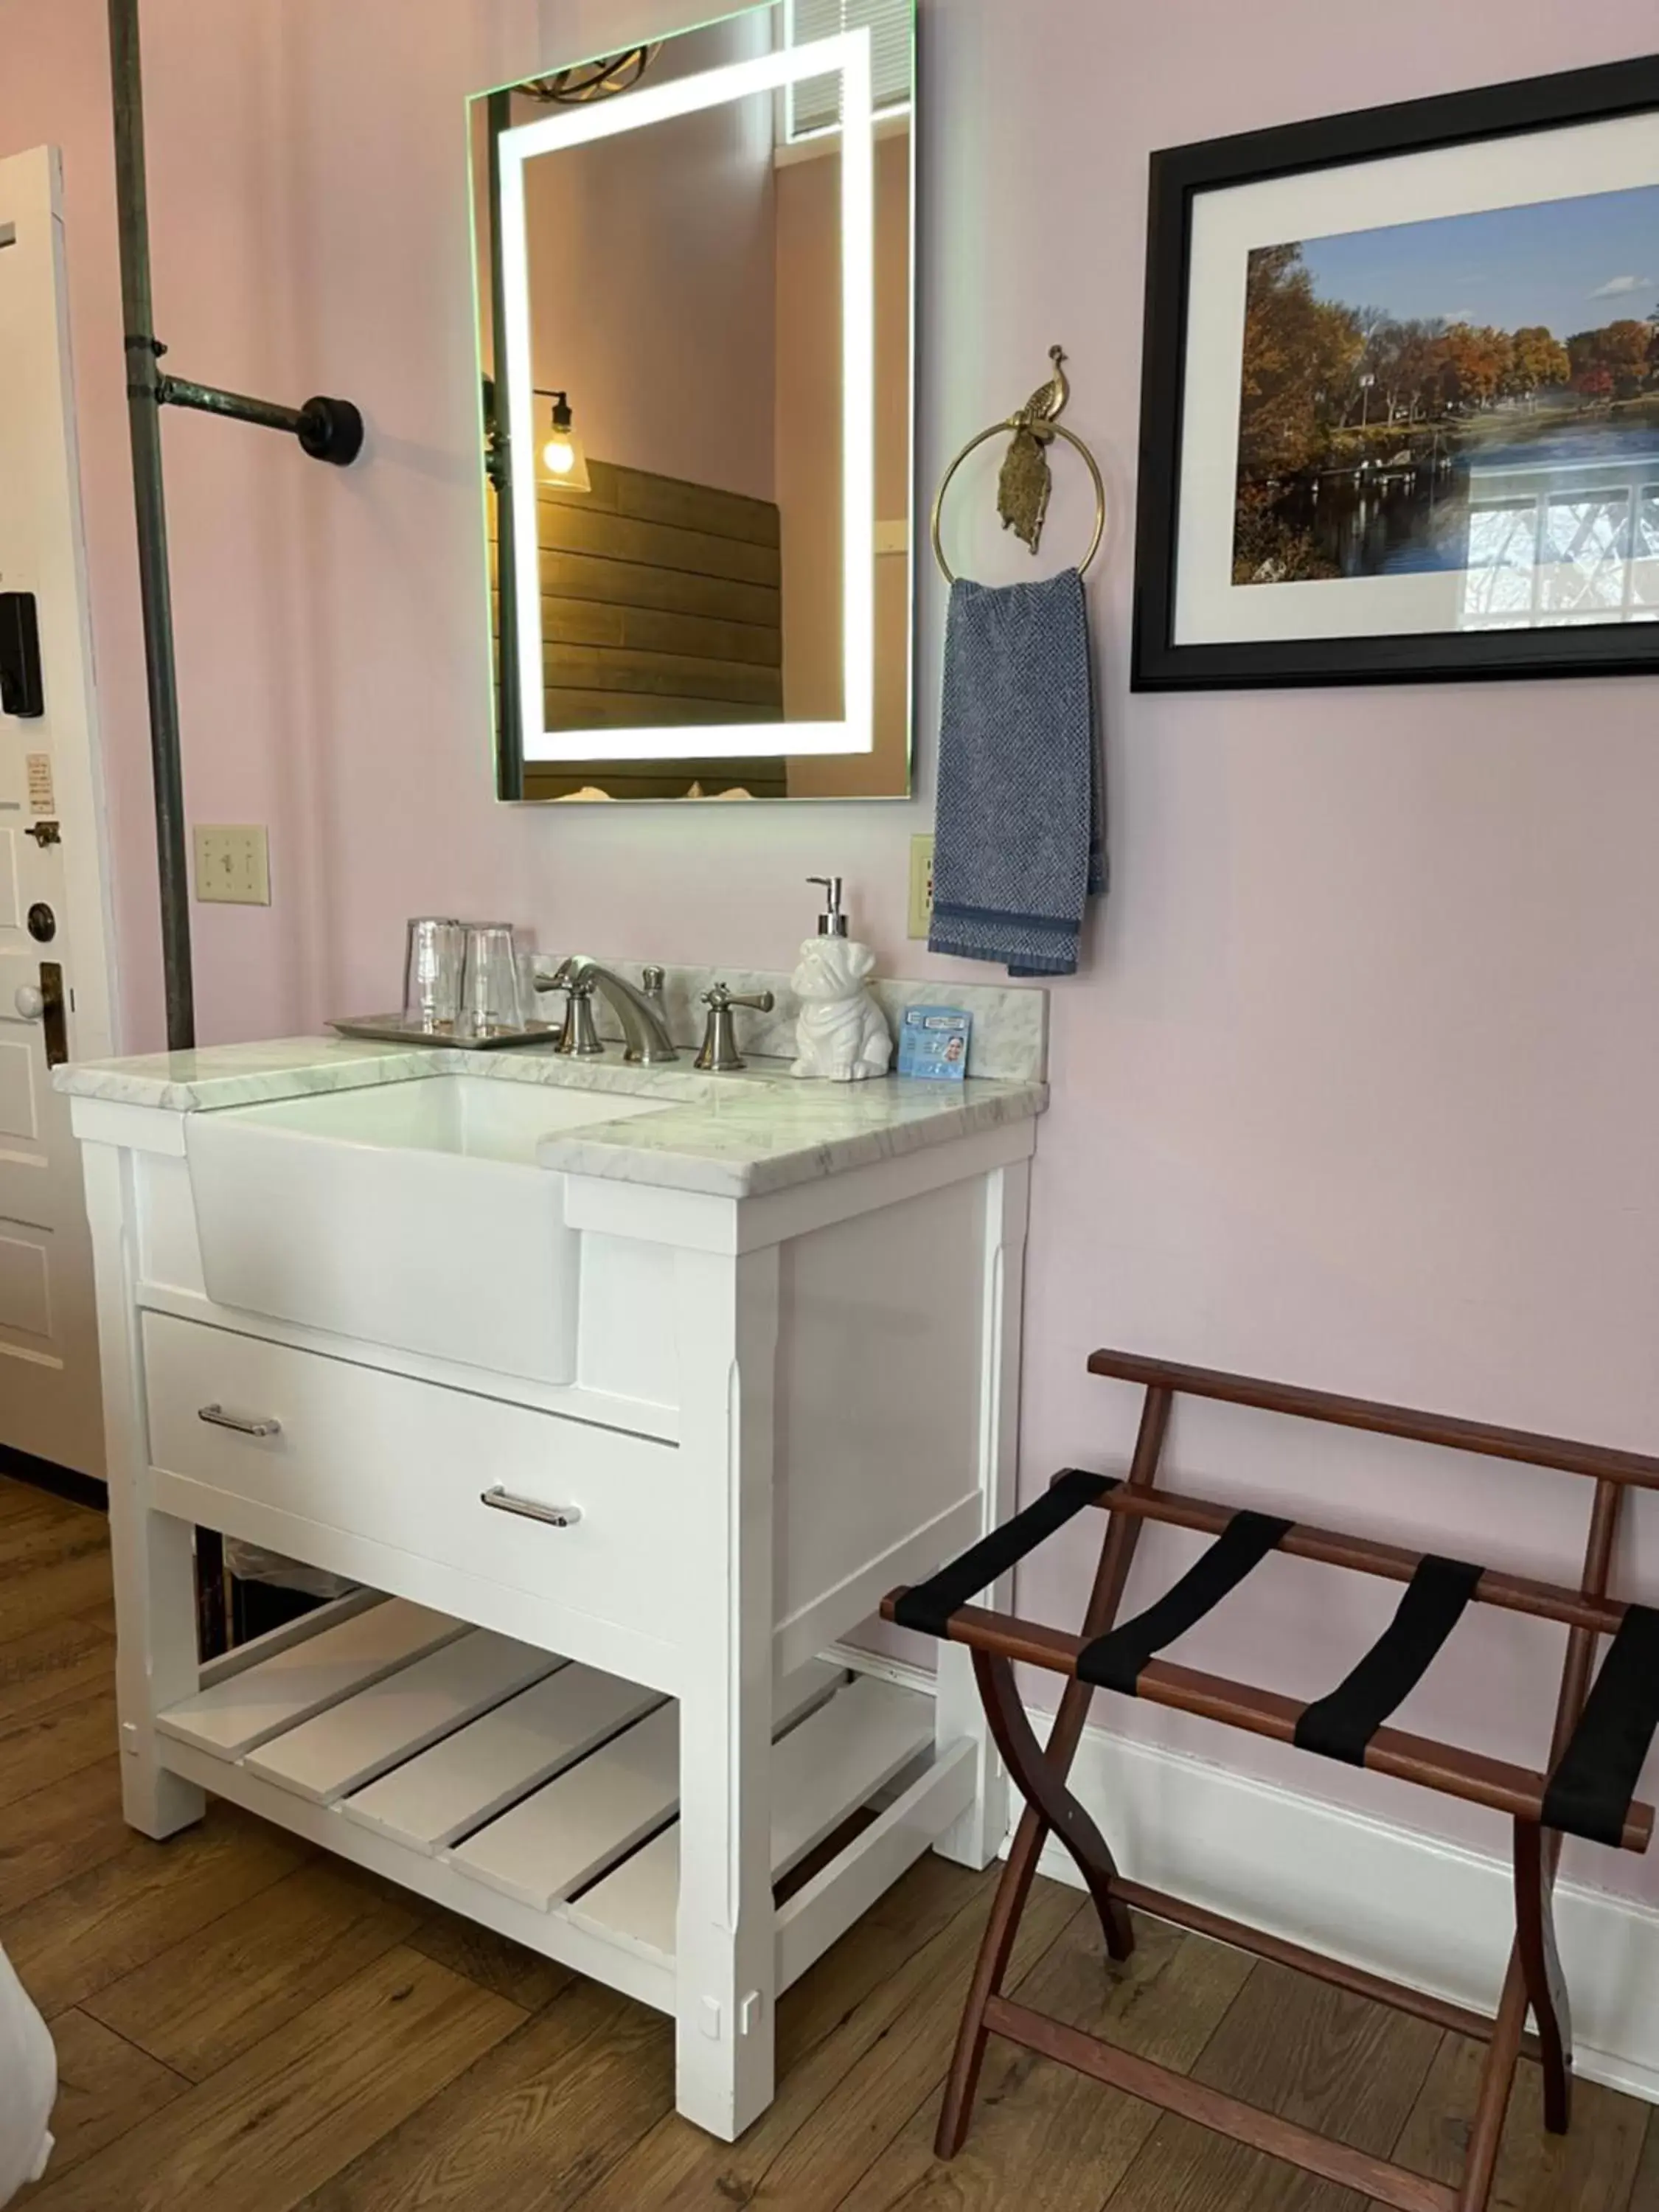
(244,2025)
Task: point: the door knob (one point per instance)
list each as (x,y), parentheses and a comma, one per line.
(29,1002)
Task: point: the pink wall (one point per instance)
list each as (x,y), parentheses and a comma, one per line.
(1358,1086)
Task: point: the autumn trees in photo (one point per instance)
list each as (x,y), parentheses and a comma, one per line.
(1620,361)
(1327,385)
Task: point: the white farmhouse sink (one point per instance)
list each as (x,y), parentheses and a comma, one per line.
(410,1214)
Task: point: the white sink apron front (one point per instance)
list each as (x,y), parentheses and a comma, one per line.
(384,1213)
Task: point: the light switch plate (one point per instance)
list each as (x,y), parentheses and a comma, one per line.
(921,886)
(233,864)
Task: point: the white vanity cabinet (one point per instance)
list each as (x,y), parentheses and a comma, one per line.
(593,1689)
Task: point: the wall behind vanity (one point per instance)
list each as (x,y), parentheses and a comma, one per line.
(1358,1087)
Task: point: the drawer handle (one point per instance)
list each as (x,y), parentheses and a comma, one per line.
(556,1516)
(245,1425)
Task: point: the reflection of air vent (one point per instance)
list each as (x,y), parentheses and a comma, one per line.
(816,105)
(595,80)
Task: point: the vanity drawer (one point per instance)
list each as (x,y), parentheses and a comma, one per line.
(408,1463)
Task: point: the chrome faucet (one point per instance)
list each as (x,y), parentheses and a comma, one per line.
(644,1029)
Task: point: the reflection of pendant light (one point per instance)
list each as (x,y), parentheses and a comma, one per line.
(564,462)
(590,81)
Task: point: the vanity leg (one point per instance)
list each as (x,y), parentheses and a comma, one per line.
(726,1939)
(725,2005)
(976,1839)
(156,1661)
(151,1553)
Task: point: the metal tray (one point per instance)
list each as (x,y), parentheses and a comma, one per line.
(393,1029)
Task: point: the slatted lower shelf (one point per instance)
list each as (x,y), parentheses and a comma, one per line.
(836,1761)
(504,1769)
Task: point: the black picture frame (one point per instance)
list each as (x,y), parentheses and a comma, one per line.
(1178,174)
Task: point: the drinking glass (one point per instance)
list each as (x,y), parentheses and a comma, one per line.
(432,972)
(490,982)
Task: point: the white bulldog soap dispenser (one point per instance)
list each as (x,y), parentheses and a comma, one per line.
(841,1034)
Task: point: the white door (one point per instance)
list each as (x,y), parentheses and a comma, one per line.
(54,985)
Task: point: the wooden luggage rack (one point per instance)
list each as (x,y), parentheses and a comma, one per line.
(1601,1737)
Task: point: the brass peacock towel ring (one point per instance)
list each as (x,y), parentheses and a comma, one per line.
(1024,483)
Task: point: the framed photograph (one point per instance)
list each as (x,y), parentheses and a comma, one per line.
(1399,416)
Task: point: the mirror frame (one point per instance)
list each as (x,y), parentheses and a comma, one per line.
(848,55)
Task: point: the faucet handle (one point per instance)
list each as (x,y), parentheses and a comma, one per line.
(538,1016)
(720,998)
(579,1039)
(720,1044)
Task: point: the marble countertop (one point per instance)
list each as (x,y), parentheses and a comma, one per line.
(739,1135)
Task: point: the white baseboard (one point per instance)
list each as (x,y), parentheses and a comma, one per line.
(1421,1911)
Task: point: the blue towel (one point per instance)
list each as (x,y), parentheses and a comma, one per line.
(1018,847)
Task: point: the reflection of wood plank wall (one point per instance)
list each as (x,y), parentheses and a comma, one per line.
(660,604)
(661,608)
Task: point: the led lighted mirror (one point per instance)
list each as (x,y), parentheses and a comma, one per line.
(695,279)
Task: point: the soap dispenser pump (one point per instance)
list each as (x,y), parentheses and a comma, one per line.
(832,922)
(840,1034)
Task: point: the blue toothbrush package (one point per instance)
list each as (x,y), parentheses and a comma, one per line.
(933,1042)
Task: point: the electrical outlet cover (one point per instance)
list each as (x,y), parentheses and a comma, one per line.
(233,864)
(921,886)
